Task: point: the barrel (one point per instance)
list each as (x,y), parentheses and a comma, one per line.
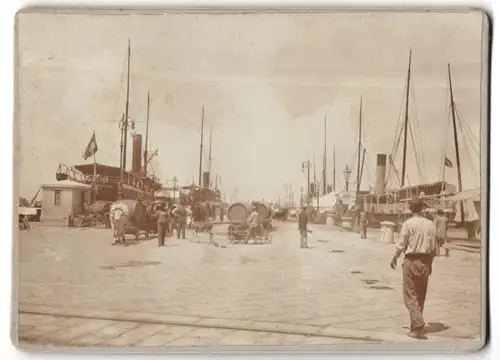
(239,212)
(99,207)
(135,211)
(264,210)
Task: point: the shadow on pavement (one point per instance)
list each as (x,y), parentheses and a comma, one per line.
(435,327)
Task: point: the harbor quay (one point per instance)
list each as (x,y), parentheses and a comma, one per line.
(75,290)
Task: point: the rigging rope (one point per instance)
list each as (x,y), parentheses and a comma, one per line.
(415,151)
(443,157)
(468,130)
(476,139)
(467,151)
(418,135)
(115,104)
(397,138)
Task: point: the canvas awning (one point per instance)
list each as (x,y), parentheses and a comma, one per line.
(473,194)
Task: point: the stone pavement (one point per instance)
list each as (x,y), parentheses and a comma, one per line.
(341,291)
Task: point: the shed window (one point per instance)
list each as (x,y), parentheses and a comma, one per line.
(57,197)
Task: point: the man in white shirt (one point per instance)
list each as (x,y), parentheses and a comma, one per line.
(418,244)
(254,223)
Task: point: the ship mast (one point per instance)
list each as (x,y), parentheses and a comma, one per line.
(210,157)
(201,144)
(125,123)
(324,163)
(147,138)
(358,176)
(405,143)
(334,171)
(457,151)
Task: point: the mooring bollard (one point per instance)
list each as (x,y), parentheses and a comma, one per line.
(387,229)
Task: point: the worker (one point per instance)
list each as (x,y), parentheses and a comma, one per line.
(442,233)
(180,216)
(254,224)
(363,224)
(162,224)
(221,214)
(418,244)
(303,221)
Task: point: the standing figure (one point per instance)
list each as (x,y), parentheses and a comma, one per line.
(221,213)
(171,219)
(441,223)
(363,224)
(303,221)
(418,244)
(254,223)
(162,224)
(180,216)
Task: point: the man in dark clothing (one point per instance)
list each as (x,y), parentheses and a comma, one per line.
(221,214)
(303,221)
(363,224)
(418,244)
(162,224)
(180,215)
(442,232)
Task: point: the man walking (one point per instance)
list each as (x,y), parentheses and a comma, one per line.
(441,232)
(363,224)
(180,216)
(418,244)
(162,224)
(254,223)
(303,221)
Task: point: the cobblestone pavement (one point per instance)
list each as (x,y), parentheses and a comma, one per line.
(75,288)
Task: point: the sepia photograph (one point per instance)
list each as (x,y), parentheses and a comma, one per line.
(250,180)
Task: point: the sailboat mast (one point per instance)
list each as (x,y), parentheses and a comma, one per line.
(324,162)
(201,144)
(210,155)
(147,138)
(457,151)
(125,123)
(334,171)
(405,143)
(358,176)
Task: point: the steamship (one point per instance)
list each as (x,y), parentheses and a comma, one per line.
(108,180)
(390,204)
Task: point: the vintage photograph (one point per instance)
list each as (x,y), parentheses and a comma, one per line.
(310,180)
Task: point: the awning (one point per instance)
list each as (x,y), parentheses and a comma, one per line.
(473,194)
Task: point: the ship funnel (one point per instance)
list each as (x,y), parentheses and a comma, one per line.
(206,179)
(136,153)
(380,172)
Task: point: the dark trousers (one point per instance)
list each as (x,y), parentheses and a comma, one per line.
(416,272)
(162,230)
(181,228)
(362,230)
(303,237)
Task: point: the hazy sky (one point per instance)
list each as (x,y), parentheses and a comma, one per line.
(266,82)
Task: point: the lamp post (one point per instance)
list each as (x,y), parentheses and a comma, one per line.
(301,196)
(174,180)
(307,165)
(347,175)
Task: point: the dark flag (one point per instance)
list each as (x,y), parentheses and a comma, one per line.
(447,162)
(91,148)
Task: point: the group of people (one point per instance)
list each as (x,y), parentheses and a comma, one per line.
(169,218)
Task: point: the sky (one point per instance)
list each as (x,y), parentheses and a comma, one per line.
(266,83)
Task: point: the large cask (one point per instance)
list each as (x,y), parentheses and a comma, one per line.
(239,211)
